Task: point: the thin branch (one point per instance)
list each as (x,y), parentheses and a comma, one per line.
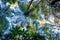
(30,3)
(28,11)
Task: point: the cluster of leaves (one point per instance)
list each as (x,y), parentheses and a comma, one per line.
(31,27)
(17,33)
(43,8)
(11,1)
(23,6)
(46,30)
(32,11)
(2,23)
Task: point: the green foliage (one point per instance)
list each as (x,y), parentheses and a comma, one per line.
(11,1)
(2,23)
(46,30)
(49,36)
(37,37)
(31,27)
(34,12)
(44,11)
(23,7)
(14,32)
(43,8)
(17,34)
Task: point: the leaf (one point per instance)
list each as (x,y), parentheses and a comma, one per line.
(11,1)
(14,32)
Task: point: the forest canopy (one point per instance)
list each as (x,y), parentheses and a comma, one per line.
(30,19)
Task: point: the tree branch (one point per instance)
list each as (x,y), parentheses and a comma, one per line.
(28,11)
(30,3)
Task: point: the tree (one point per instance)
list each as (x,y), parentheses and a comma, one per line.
(18,33)
(31,10)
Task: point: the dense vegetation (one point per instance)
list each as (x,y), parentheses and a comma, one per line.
(30,9)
